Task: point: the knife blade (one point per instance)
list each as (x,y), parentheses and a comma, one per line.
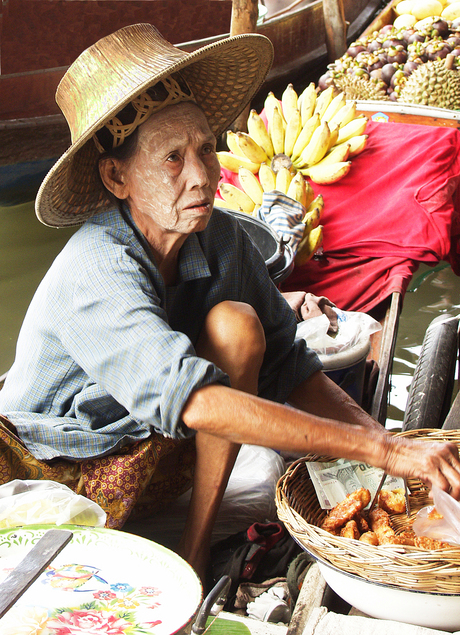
(31,566)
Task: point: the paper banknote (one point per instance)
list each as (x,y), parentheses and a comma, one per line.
(334,480)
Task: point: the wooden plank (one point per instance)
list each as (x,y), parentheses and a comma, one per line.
(389,334)
(336,28)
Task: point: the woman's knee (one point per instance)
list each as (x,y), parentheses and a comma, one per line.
(235,326)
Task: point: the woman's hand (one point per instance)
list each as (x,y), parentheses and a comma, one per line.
(434,463)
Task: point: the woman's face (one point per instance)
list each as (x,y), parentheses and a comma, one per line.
(172,178)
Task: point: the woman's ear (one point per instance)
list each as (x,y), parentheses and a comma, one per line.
(113,178)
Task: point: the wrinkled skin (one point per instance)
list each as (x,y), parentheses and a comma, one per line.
(170,182)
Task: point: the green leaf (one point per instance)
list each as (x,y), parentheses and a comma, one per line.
(222,626)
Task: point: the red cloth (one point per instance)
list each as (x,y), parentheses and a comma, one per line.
(398,206)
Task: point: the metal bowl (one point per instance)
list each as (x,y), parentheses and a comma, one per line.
(278,255)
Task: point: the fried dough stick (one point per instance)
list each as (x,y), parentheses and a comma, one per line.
(344,511)
(379,521)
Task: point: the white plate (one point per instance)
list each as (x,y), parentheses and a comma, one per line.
(102,582)
(431,610)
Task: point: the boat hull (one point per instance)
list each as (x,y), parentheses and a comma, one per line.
(33,133)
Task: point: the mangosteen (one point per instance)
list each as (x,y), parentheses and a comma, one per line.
(409,67)
(355,48)
(393,41)
(441,27)
(387,72)
(455,24)
(325,81)
(376,74)
(437,50)
(416,37)
(453,41)
(388,28)
(393,96)
(456,52)
(374,46)
(397,54)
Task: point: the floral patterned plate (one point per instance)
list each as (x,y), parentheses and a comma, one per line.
(104,582)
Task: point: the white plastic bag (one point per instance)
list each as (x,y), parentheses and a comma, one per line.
(353,325)
(249,498)
(48,503)
(447,528)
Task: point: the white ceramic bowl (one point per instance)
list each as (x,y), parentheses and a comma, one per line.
(431,610)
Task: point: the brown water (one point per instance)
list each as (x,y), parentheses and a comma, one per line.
(28,248)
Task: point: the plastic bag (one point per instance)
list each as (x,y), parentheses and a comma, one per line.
(249,498)
(48,503)
(353,326)
(446,529)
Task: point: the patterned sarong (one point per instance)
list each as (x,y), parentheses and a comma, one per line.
(133,483)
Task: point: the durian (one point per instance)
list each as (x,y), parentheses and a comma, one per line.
(433,84)
(355,87)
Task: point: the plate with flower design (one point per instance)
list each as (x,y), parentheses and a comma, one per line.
(104,582)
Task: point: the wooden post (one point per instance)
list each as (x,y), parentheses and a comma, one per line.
(336,28)
(244,20)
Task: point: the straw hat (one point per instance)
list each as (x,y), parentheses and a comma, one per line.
(107,76)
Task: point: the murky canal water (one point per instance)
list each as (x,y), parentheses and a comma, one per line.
(27,249)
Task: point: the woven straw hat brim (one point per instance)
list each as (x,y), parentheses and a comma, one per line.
(224,76)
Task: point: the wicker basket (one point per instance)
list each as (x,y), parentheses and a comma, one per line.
(406,567)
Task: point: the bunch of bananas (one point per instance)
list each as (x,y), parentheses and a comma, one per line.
(311,135)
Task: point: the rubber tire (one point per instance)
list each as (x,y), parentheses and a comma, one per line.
(431,388)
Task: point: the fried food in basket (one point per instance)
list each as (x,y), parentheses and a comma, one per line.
(393,502)
(346,510)
(349,519)
(370,538)
(380,523)
(350,530)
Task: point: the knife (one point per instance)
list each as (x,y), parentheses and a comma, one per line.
(31,566)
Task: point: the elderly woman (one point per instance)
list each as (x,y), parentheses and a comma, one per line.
(159,320)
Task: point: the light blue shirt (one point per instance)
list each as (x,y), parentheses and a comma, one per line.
(106,350)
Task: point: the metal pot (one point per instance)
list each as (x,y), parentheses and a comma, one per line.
(278,255)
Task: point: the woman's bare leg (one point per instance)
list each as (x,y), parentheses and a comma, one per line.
(233,339)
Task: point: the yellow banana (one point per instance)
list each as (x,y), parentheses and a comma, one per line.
(304,136)
(307,102)
(233,195)
(345,114)
(334,128)
(277,131)
(283,180)
(289,102)
(251,149)
(323,100)
(297,189)
(233,163)
(250,184)
(269,104)
(267,178)
(232,144)
(308,246)
(316,148)
(293,128)
(335,105)
(316,204)
(324,174)
(258,131)
(311,220)
(218,202)
(337,154)
(309,194)
(357,144)
(353,128)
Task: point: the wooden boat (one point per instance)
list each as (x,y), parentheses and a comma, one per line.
(36,51)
